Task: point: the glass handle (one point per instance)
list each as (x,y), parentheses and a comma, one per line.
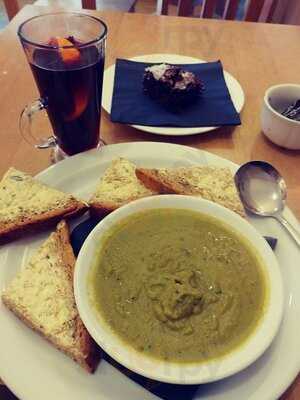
(25,124)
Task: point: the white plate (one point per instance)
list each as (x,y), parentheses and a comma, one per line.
(35,370)
(235,90)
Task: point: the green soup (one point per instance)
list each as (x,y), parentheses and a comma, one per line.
(178,285)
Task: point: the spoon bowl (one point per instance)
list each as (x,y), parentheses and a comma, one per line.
(261,188)
(263,192)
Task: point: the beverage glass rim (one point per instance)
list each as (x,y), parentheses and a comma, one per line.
(48,46)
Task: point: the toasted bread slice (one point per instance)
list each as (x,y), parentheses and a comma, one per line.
(41,295)
(210,183)
(27,205)
(119,185)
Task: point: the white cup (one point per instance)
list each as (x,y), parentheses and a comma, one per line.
(281,130)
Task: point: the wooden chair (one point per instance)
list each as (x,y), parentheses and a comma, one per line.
(256,9)
(12,6)
(122,5)
(89,4)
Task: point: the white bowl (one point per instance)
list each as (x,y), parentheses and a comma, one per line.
(172,372)
(281,130)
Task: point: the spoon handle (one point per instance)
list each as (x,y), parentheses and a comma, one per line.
(292,231)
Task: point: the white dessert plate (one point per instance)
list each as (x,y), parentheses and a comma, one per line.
(234,87)
(34,369)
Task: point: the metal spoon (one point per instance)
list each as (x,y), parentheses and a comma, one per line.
(263,192)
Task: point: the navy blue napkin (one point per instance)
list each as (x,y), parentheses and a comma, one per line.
(165,391)
(130,105)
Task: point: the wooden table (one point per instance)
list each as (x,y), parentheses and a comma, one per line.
(258,55)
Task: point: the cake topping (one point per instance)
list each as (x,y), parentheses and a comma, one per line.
(171,85)
(158,70)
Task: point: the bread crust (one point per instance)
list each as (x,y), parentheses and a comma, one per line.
(38,223)
(86,353)
(120,174)
(89,349)
(101,209)
(89,363)
(153,179)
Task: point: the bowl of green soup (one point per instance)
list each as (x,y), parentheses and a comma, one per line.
(179,289)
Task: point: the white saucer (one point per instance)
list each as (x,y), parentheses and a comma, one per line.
(234,87)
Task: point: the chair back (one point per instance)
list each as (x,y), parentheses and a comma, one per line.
(262,10)
(89,4)
(12,6)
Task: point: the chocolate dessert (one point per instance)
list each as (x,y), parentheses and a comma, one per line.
(171,85)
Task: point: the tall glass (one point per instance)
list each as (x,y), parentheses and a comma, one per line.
(66,54)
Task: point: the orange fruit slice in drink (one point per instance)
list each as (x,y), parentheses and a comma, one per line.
(68,54)
(80,103)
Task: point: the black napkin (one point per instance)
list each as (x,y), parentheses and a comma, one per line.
(165,391)
(130,105)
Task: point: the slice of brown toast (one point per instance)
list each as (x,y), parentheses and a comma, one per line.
(27,205)
(210,183)
(42,296)
(118,186)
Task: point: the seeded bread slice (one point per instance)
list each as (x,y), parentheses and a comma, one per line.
(41,295)
(210,183)
(27,205)
(118,186)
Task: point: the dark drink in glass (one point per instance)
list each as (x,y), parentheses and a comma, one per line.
(66,54)
(71,92)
